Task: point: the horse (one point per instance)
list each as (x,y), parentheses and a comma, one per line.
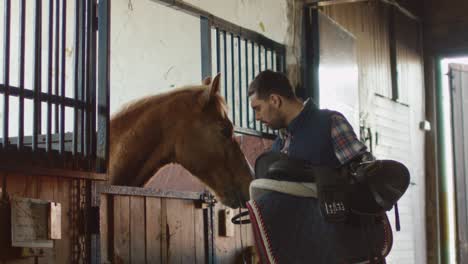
(188,126)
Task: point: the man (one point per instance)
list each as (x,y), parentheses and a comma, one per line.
(319,137)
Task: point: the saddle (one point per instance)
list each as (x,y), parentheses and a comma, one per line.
(352,198)
(370,187)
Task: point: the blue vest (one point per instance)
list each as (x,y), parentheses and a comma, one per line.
(310,135)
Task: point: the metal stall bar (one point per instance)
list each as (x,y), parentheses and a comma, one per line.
(279,63)
(21,63)
(260,70)
(49,76)
(225,66)
(253,78)
(274,68)
(82,79)
(78,6)
(87,94)
(43,97)
(218,56)
(205,32)
(239,62)
(6,70)
(57,60)
(247,81)
(273,61)
(233,89)
(62,78)
(84,86)
(92,29)
(266,68)
(37,72)
(102,148)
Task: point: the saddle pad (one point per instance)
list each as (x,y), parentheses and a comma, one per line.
(289,229)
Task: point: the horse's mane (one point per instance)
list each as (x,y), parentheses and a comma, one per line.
(193,91)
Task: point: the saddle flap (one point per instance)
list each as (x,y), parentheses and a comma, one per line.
(388,180)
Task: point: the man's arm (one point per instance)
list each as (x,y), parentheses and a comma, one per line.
(346,144)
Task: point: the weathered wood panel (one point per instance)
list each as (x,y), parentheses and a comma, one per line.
(199,234)
(63,247)
(47,190)
(104,227)
(228,249)
(121,232)
(153,230)
(180,226)
(154,234)
(137,230)
(53,188)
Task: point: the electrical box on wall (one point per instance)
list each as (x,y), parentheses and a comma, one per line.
(28,226)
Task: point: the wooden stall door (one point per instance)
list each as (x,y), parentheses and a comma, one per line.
(138,229)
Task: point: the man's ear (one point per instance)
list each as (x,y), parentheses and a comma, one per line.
(276,100)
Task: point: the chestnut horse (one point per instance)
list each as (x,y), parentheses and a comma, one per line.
(188,126)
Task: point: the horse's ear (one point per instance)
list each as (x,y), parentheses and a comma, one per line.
(214,87)
(207,81)
(212,90)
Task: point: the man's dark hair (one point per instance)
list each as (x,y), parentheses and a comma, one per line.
(269,82)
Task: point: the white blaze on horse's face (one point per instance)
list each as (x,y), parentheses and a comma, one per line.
(209,150)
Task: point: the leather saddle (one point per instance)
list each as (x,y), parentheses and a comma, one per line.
(369,187)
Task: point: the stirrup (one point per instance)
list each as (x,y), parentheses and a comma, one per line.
(237,219)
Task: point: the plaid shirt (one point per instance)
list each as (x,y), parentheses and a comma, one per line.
(345,142)
(346,145)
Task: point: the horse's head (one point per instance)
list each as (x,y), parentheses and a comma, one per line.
(207,148)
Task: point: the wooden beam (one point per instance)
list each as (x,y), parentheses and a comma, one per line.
(332,2)
(40,171)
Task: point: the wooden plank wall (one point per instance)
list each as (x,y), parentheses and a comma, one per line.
(151,230)
(160,230)
(230,250)
(57,189)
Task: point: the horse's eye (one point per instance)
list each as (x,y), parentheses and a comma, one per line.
(226,131)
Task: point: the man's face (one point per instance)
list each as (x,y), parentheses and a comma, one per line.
(268,111)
